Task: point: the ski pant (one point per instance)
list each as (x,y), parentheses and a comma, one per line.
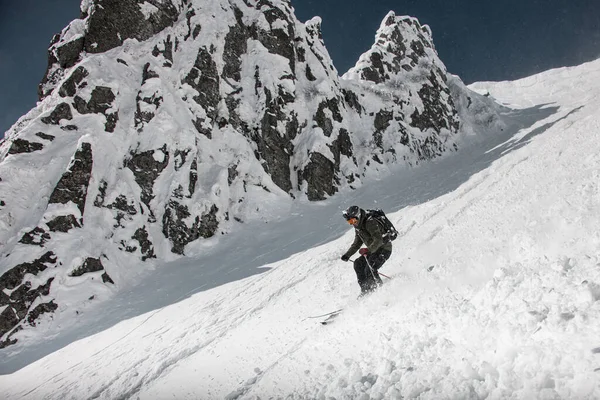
(368,278)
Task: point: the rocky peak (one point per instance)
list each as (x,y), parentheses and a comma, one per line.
(403,57)
(401,44)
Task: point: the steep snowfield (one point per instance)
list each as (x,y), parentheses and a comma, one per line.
(494,290)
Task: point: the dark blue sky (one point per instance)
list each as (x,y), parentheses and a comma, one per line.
(476,39)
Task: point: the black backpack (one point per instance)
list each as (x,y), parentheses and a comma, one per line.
(390,232)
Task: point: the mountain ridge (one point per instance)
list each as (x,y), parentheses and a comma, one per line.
(181,120)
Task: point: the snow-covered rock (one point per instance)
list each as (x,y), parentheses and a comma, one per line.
(180,120)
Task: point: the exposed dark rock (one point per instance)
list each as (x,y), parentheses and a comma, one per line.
(322,120)
(8,341)
(123,204)
(404,138)
(89,265)
(63,223)
(23,297)
(111,122)
(352,100)
(39,310)
(14,276)
(274,147)
(277,41)
(196,32)
(45,136)
(418,51)
(37,236)
(8,320)
(341,146)
(146,169)
(167,52)
(73,185)
(114,21)
(146,246)
(23,146)
(62,111)
(175,229)
(106,278)
(235,46)
(300,52)
(53,73)
(437,114)
(127,248)
(382,120)
(73,82)
(143,117)
(147,73)
(178,192)
(309,74)
(99,201)
(232,173)
(69,128)
(80,105)
(188,16)
(180,158)
(209,222)
(257,82)
(319,174)
(375,72)
(100,102)
(314,33)
(203,127)
(381,123)
(204,78)
(68,53)
(193,177)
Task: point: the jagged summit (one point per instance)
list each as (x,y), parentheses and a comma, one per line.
(404,59)
(179,121)
(401,45)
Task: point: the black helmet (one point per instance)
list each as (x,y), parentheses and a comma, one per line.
(352,212)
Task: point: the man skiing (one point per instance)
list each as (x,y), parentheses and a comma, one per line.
(368,231)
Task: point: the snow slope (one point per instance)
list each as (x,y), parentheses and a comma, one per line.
(494,291)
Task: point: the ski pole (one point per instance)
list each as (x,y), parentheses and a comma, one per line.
(380,273)
(369,264)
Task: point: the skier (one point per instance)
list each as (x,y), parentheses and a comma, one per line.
(368,231)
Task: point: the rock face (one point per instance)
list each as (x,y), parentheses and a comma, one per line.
(165,122)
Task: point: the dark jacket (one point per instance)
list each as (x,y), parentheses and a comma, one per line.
(369,232)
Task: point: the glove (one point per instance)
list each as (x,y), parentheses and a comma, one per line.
(364,251)
(345,258)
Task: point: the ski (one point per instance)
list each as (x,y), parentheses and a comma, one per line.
(331,317)
(327,314)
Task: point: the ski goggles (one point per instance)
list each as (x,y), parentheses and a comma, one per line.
(352,221)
